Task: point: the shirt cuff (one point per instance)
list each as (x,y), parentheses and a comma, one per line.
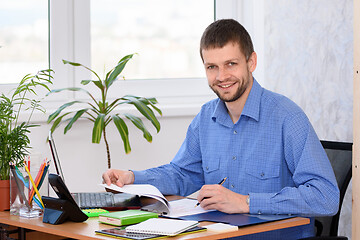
(260,203)
(140,177)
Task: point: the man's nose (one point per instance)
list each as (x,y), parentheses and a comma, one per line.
(222,74)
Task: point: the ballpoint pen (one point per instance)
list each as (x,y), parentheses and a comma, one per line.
(220,183)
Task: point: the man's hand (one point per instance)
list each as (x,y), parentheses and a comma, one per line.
(118,177)
(222,199)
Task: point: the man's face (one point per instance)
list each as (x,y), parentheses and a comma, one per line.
(227,71)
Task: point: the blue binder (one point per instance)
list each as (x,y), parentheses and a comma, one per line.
(235,219)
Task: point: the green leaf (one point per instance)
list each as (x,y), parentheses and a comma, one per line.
(144,110)
(72,63)
(80,65)
(98,128)
(85,82)
(58,121)
(156,108)
(152,103)
(58,111)
(46,72)
(147,101)
(124,132)
(97,83)
(140,125)
(114,104)
(77,115)
(117,70)
(74,89)
(43,85)
(152,100)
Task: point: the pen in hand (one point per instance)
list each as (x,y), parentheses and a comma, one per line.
(220,183)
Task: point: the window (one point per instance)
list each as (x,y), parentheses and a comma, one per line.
(23,39)
(98,33)
(164,33)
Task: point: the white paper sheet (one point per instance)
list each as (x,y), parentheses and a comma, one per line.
(184,207)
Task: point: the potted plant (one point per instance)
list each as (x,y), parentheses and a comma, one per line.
(14,140)
(102,111)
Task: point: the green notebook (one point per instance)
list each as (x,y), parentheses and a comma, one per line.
(126,217)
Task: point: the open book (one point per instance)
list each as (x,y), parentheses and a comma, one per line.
(176,208)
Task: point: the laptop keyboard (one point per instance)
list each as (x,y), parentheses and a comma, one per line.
(95,200)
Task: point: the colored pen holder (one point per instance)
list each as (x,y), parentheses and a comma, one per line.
(25,200)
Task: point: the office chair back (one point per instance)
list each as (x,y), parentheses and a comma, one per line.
(340,156)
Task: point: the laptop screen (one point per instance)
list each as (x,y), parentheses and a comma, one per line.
(55,156)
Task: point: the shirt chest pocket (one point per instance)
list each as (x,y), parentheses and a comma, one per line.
(211,165)
(262,172)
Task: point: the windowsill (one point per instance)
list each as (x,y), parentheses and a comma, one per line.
(176,97)
(175,109)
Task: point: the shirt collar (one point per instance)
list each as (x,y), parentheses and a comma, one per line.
(251,108)
(252,105)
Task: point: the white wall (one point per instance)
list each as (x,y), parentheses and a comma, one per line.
(309,58)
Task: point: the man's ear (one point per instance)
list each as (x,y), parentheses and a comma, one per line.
(252,62)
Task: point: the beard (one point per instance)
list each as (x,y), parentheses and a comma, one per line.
(243,84)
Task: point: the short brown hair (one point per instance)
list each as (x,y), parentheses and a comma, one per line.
(223,31)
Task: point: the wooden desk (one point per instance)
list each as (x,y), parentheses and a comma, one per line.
(86,230)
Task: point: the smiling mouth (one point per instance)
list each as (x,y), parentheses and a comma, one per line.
(226,85)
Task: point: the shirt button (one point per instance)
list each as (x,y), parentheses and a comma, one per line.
(232,186)
(234,157)
(259,212)
(207,168)
(262,174)
(235,132)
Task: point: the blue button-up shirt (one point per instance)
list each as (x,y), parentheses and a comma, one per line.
(271,153)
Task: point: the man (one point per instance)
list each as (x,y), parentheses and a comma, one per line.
(261,141)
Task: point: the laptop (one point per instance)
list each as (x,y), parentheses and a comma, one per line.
(105,200)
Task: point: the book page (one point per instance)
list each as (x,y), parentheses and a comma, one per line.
(145,190)
(184,207)
(176,208)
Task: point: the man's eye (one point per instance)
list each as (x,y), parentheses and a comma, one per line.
(210,67)
(232,63)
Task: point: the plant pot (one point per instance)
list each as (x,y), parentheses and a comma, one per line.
(5,195)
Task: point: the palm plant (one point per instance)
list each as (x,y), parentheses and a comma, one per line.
(102,112)
(14,140)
